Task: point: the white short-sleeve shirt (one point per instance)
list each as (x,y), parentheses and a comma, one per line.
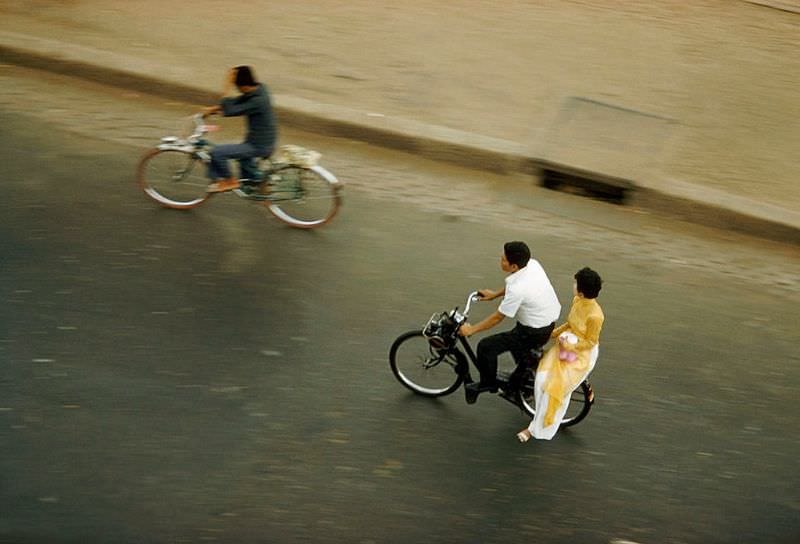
(530,297)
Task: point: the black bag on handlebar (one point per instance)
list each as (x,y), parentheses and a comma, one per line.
(441,331)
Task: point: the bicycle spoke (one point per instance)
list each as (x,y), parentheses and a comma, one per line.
(423,370)
(303,197)
(173,178)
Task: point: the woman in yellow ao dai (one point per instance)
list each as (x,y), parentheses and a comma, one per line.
(570,360)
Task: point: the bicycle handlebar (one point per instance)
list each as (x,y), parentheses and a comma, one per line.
(472,297)
(200,127)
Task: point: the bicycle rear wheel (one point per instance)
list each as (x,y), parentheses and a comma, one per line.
(425,370)
(303,197)
(580,401)
(175,179)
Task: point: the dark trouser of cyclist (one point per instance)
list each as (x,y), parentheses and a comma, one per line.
(519,341)
(246,154)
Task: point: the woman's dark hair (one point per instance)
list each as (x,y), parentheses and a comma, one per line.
(517,253)
(245,76)
(589,282)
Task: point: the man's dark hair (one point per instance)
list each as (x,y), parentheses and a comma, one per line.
(517,253)
(589,282)
(245,77)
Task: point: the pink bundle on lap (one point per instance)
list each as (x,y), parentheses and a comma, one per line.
(564,354)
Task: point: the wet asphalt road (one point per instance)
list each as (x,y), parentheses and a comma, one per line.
(216,376)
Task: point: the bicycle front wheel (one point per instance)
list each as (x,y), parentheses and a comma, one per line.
(303,197)
(172,178)
(424,369)
(580,401)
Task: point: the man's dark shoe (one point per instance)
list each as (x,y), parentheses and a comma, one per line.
(472,390)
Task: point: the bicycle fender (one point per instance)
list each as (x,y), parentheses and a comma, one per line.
(169,146)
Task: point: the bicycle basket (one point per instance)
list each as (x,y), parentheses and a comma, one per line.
(296,155)
(439,331)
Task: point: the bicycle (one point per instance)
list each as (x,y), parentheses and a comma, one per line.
(429,362)
(291,183)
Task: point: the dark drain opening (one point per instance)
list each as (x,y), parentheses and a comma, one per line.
(608,190)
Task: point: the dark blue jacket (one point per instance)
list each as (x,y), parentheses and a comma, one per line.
(261,126)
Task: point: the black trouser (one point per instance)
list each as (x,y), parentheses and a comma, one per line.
(519,341)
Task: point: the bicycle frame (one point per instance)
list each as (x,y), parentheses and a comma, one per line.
(459,319)
(199,147)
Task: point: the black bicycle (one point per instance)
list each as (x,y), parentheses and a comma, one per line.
(429,362)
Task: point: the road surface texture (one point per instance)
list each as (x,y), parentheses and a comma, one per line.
(214,375)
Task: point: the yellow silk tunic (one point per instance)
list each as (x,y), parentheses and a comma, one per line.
(585,320)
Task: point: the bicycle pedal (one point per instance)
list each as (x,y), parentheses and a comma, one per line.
(508,394)
(251,188)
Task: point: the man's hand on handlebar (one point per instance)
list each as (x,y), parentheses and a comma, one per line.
(210,110)
(487,294)
(484,294)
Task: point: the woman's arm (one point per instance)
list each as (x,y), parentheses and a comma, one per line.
(558,330)
(593,326)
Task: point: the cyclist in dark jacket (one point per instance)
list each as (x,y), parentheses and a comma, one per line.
(254,102)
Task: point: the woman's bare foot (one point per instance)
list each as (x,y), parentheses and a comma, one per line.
(524,435)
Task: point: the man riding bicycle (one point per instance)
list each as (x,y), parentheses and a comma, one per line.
(253,101)
(528,296)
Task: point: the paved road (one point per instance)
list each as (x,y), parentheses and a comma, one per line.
(214,375)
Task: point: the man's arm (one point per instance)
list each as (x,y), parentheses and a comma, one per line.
(491,294)
(232,107)
(468,330)
(486,294)
(230,83)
